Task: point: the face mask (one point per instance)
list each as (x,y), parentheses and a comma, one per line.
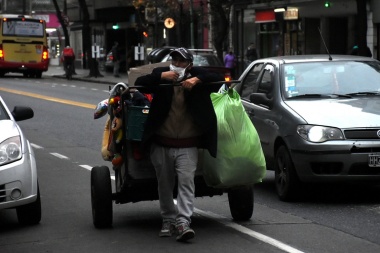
(179,70)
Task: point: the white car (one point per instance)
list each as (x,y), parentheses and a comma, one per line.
(18,171)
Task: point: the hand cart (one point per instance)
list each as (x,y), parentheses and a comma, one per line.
(135,179)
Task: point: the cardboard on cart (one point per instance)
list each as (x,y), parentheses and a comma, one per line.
(134,73)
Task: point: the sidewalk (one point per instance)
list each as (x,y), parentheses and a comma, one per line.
(82,75)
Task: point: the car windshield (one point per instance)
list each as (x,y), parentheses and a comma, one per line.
(313,79)
(206,60)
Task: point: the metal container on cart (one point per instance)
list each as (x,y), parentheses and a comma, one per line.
(136,180)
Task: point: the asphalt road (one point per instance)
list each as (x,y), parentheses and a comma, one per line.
(66,140)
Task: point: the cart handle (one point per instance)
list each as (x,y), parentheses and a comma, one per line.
(229,83)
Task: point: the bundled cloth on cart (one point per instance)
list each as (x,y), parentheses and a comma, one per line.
(240,160)
(112,134)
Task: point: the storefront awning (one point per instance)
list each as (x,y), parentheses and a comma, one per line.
(265,16)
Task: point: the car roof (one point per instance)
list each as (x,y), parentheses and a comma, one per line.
(318,57)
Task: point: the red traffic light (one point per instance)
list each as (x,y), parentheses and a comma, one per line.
(145,34)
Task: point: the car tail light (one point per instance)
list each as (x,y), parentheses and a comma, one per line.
(1,53)
(111,57)
(45,54)
(227,76)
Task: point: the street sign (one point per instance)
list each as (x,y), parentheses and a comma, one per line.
(139,53)
(95,51)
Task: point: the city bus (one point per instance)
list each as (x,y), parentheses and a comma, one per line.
(23,45)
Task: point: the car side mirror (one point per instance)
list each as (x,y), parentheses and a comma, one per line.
(22,113)
(261,99)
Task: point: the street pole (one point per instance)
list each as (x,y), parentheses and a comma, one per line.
(191,24)
(179,27)
(155,43)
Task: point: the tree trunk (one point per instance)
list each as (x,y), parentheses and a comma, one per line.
(86,35)
(63,25)
(220,24)
(361,28)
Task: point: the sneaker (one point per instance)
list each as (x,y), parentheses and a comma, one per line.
(184,233)
(167,229)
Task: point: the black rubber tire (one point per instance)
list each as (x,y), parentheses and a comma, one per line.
(101,197)
(241,201)
(30,214)
(286,179)
(38,74)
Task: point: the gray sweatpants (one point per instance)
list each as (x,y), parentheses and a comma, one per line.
(168,163)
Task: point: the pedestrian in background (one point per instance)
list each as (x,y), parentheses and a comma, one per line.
(251,52)
(116,59)
(181,119)
(230,62)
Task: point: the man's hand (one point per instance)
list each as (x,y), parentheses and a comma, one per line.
(170,75)
(190,83)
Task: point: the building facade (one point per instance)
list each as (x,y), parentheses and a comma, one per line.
(277,27)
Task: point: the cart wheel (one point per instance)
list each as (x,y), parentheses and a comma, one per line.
(241,202)
(30,214)
(101,197)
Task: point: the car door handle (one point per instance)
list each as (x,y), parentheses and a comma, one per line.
(251,112)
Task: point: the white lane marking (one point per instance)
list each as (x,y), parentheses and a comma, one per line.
(266,239)
(87,167)
(36,146)
(59,156)
(94,89)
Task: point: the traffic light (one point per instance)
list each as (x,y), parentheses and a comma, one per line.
(327,4)
(145,34)
(115,26)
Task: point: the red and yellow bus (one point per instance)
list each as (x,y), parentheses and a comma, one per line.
(23,45)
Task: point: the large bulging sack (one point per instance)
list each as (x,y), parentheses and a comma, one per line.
(240,160)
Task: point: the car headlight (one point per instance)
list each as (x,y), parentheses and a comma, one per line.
(10,150)
(319,133)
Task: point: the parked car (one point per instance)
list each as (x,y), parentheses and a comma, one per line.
(157,54)
(18,171)
(318,118)
(207,59)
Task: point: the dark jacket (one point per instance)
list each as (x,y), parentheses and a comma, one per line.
(198,102)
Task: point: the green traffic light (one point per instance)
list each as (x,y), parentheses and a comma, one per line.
(115,26)
(327,4)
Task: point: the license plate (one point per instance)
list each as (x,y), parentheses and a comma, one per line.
(374,160)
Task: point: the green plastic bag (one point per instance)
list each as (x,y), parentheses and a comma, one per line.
(240,160)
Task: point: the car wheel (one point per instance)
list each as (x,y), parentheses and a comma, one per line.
(241,202)
(286,179)
(30,214)
(101,197)
(38,74)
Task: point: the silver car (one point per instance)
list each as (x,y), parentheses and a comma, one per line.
(18,171)
(318,118)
